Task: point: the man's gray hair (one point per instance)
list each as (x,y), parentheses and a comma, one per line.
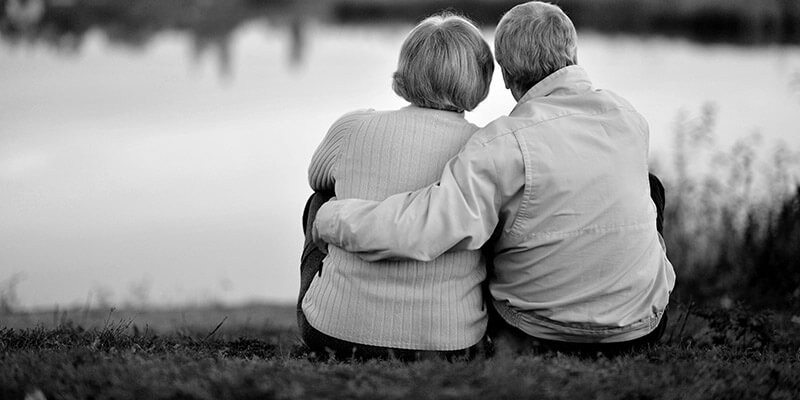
(444,64)
(532,41)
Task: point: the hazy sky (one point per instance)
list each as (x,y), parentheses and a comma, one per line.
(142,175)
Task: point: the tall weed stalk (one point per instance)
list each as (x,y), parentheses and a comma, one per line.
(732,217)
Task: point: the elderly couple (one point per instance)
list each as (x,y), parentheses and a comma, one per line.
(551,207)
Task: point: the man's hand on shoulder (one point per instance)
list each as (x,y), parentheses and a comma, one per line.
(325,217)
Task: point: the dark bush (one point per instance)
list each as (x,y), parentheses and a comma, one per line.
(732,221)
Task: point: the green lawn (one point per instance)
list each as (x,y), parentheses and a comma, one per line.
(254,353)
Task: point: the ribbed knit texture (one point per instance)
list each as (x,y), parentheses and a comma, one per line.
(401,304)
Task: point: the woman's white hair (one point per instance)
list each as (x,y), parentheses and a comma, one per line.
(444,64)
(532,41)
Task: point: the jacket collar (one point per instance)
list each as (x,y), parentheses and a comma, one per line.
(571,79)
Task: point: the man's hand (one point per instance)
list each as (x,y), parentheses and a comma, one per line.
(321,244)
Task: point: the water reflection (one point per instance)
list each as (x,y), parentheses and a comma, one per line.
(298,42)
(794,84)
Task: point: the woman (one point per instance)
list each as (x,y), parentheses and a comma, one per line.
(403,309)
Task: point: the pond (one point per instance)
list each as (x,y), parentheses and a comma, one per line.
(175,172)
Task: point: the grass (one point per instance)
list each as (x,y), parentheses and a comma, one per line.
(708,353)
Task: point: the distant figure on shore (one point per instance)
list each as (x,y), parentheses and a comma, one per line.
(559,194)
(404,309)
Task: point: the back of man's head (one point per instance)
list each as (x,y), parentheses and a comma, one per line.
(532,41)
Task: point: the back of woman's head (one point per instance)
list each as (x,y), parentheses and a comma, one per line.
(444,64)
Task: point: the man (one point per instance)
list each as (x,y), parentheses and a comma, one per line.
(559,193)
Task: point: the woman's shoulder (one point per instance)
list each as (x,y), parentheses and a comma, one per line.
(456,119)
(444,121)
(353,117)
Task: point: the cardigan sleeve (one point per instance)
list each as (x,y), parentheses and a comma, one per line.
(321,171)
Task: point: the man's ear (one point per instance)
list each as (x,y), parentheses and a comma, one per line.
(511,86)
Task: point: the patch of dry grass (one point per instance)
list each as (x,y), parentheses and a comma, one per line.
(708,353)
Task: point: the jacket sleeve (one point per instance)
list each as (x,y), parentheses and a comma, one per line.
(458,212)
(322,169)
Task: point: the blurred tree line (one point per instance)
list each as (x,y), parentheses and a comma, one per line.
(64,22)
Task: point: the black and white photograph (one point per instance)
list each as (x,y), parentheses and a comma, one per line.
(418,199)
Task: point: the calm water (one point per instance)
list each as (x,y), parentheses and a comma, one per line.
(174,173)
